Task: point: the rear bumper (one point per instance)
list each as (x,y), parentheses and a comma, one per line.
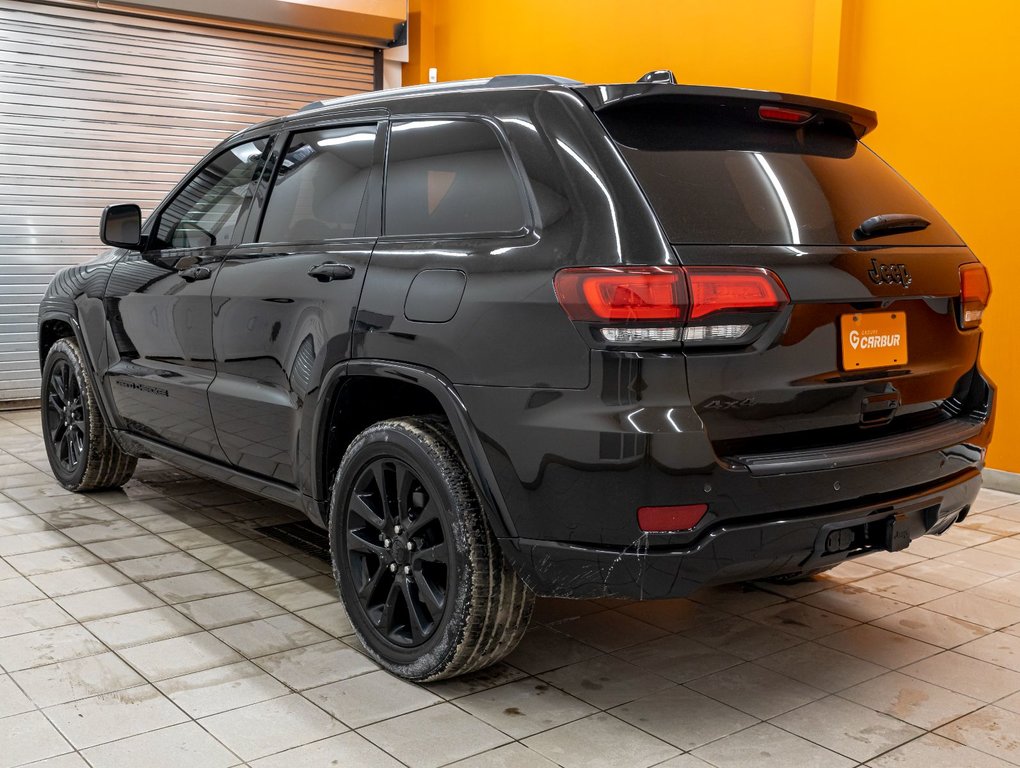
(742,549)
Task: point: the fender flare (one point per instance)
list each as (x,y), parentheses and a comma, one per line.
(443,390)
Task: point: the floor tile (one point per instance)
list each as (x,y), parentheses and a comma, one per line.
(879,646)
(47,646)
(600,741)
(766,746)
(111,716)
(544,648)
(946,574)
(215,612)
(223,555)
(931,751)
(740,637)
(77,580)
(184,744)
(609,630)
(900,587)
(975,609)
(606,681)
(193,586)
(314,665)
(678,658)
(50,560)
(801,620)
(371,697)
(194,538)
(672,615)
(347,749)
(271,726)
(263,573)
(139,627)
(998,648)
(217,690)
(992,730)
(412,738)
(933,628)
(113,529)
(74,679)
(112,601)
(265,636)
(28,617)
(498,674)
(12,700)
(854,602)
(986,562)
(131,548)
(179,656)
(755,690)
(23,543)
(160,566)
(330,618)
(508,756)
(911,700)
(684,718)
(27,738)
(302,593)
(971,677)
(525,707)
(847,728)
(821,667)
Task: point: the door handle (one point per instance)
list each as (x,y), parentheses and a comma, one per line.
(329,271)
(191,274)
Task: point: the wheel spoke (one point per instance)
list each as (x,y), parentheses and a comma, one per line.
(379,473)
(428,514)
(389,609)
(361,508)
(433,603)
(437,553)
(57,382)
(54,404)
(368,589)
(415,619)
(357,543)
(405,482)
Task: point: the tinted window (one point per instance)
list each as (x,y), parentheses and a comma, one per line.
(449,177)
(208,211)
(751,182)
(321,189)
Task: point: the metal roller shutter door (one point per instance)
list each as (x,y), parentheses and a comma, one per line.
(99,107)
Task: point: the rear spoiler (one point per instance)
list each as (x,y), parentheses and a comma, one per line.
(609,98)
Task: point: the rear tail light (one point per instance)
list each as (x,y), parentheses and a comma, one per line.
(649,305)
(784,114)
(975,290)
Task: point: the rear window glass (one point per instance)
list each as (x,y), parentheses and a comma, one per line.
(449,177)
(741,182)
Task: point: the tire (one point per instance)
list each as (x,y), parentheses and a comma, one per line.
(403,481)
(81,450)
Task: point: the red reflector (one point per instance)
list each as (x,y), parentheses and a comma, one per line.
(735,289)
(784,114)
(660,519)
(975,290)
(622,293)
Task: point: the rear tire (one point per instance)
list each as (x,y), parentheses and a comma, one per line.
(81,450)
(419,571)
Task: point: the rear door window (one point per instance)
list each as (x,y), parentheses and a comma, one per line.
(450,177)
(322,187)
(731,180)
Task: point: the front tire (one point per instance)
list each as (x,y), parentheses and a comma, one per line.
(419,571)
(81,450)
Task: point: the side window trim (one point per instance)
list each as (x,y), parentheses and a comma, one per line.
(152,224)
(516,171)
(375,182)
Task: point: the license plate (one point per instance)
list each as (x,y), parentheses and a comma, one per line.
(873,339)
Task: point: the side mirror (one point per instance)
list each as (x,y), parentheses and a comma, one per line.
(121,226)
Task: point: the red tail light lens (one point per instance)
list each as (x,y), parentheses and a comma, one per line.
(784,114)
(736,289)
(975,290)
(625,293)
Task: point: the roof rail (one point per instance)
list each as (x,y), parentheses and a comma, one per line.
(499,81)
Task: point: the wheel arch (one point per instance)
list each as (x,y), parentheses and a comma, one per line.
(359,393)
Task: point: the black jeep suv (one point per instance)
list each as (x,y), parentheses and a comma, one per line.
(528,336)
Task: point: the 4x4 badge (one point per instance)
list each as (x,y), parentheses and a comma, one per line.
(889,273)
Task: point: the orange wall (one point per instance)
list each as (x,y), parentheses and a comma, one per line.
(942,77)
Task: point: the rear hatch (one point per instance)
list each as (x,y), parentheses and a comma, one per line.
(873,342)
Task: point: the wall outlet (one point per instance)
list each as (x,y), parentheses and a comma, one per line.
(433,75)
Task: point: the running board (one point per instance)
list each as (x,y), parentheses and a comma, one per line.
(260,486)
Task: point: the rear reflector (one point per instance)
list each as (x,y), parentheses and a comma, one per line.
(662,519)
(784,114)
(734,289)
(975,290)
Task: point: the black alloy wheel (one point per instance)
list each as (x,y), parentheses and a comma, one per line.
(65,415)
(420,572)
(398,552)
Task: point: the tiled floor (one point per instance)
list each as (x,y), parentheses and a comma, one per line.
(156,627)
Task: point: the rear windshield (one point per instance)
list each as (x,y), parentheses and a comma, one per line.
(751,182)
